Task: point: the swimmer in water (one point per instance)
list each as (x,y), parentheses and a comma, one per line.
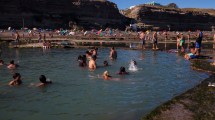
(113,53)
(122,71)
(92,63)
(12,65)
(16,80)
(192,53)
(133,66)
(88,54)
(134,62)
(80,60)
(43,81)
(106,76)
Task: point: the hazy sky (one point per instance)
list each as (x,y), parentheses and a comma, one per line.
(122,4)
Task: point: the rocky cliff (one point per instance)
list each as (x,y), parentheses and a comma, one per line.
(165,18)
(60,13)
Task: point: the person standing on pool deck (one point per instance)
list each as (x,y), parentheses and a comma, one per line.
(113,53)
(17,37)
(39,37)
(155,40)
(143,39)
(198,42)
(182,42)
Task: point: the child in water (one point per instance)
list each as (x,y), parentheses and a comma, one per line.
(43,81)
(122,71)
(16,80)
(192,53)
(106,76)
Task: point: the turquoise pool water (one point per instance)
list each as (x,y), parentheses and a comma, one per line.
(79,94)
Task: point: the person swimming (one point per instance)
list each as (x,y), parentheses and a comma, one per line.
(122,71)
(92,63)
(12,65)
(16,80)
(43,81)
(113,53)
(88,54)
(133,66)
(106,76)
(192,53)
(82,60)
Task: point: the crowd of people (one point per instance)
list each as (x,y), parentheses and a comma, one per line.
(91,56)
(194,47)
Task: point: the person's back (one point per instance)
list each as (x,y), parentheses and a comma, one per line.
(113,53)
(12,65)
(92,63)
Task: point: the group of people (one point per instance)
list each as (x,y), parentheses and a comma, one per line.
(143,37)
(195,48)
(17,76)
(91,56)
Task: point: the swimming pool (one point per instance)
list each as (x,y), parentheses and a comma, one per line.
(79,94)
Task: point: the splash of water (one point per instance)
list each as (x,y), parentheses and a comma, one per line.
(132,66)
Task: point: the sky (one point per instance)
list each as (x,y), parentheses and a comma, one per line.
(122,4)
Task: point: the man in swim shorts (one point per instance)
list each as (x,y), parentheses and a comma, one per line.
(143,39)
(155,41)
(198,42)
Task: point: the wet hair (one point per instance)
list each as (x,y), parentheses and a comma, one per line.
(12,62)
(178,36)
(105,63)
(122,69)
(15,75)
(42,79)
(88,52)
(80,57)
(113,48)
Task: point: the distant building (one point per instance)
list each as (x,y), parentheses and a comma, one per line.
(153,3)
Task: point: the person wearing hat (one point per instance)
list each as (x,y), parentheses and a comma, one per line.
(106,76)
